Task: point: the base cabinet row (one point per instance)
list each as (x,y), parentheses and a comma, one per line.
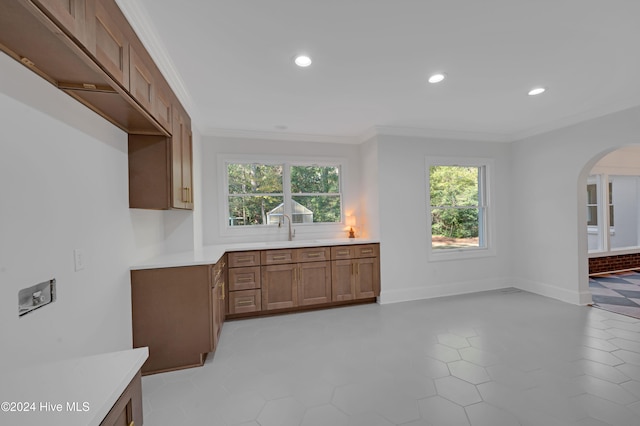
(297,278)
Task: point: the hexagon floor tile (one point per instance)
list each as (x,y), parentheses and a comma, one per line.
(493,358)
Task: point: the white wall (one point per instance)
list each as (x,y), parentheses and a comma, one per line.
(64,186)
(406,272)
(212,174)
(369,191)
(548,196)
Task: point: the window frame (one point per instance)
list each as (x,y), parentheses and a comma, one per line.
(486,211)
(605,215)
(287,162)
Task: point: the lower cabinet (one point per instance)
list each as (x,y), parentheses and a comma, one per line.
(314,283)
(264,281)
(279,286)
(355,272)
(287,285)
(127,411)
(178,314)
(245,282)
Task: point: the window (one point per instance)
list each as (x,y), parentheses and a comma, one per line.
(253,190)
(619,214)
(317,189)
(458,207)
(261,193)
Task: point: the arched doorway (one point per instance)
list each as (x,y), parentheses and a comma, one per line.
(610,184)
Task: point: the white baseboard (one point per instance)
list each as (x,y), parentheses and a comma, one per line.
(441,290)
(570,296)
(465,287)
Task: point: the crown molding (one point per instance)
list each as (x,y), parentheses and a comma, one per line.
(138,18)
(438,134)
(280,136)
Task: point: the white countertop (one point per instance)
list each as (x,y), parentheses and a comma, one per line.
(78,391)
(211,254)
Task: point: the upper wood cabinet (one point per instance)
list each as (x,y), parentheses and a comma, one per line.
(70,15)
(181,161)
(88,49)
(109,43)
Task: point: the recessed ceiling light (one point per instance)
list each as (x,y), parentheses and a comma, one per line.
(437,78)
(536,91)
(302,61)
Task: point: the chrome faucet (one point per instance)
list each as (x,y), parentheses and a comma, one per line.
(291,235)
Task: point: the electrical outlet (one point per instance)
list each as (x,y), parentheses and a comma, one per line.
(78,259)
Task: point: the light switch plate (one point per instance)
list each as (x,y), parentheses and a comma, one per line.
(78,259)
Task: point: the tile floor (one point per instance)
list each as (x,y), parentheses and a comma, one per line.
(495,358)
(617,292)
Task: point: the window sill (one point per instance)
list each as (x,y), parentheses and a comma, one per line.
(459,254)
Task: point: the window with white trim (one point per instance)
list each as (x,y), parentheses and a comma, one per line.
(458,207)
(260,194)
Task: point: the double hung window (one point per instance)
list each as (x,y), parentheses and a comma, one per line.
(262,193)
(458,205)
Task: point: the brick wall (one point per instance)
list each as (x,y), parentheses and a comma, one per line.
(614,263)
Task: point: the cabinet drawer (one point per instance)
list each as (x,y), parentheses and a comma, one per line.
(274,257)
(313,254)
(245,301)
(244,278)
(367,250)
(342,252)
(244,258)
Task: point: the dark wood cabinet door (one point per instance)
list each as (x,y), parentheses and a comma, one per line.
(314,283)
(141,78)
(68,14)
(367,283)
(279,286)
(110,44)
(181,170)
(342,280)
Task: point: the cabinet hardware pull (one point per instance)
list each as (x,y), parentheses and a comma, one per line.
(244,302)
(367,251)
(223,296)
(295,274)
(244,279)
(279,257)
(132,424)
(343,252)
(313,255)
(243,259)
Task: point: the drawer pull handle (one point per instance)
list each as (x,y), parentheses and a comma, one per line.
(279,257)
(244,259)
(367,251)
(244,279)
(343,252)
(244,303)
(314,254)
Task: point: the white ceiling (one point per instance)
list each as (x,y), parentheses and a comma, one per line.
(230,61)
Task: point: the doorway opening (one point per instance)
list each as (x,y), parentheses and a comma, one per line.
(613,231)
